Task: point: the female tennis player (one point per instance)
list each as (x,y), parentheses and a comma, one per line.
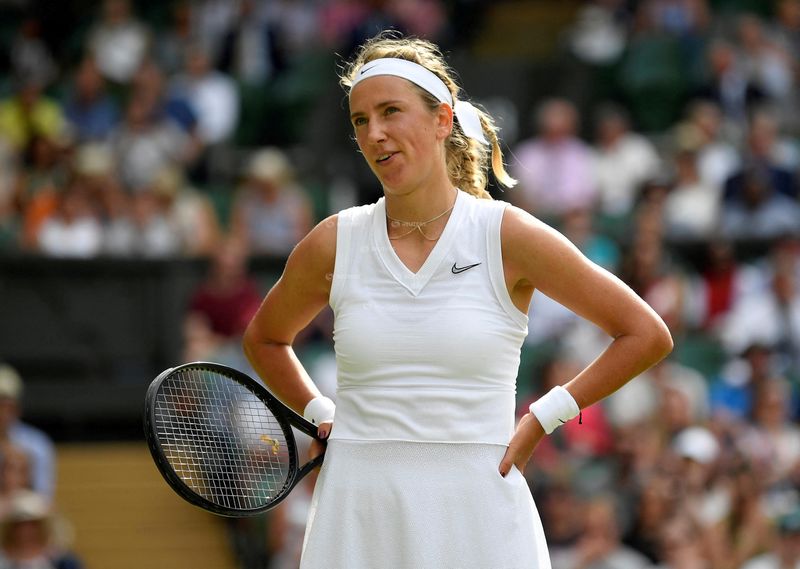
(430,289)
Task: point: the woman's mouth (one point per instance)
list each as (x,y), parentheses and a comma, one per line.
(384,158)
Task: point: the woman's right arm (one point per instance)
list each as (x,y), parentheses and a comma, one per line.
(298,296)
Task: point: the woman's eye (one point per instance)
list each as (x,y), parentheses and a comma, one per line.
(391,110)
(358,121)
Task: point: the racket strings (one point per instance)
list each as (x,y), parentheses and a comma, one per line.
(221,440)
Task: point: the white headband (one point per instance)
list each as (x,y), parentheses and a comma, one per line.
(466,114)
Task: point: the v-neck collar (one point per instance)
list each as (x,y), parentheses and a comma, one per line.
(414,282)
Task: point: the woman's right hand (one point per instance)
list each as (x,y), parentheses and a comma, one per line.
(318,446)
(527,436)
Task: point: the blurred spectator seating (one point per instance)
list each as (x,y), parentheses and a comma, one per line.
(36,445)
(118,41)
(555,168)
(271,212)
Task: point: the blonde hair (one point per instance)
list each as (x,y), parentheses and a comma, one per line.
(467,159)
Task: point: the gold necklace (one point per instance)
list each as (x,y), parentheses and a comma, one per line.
(417,225)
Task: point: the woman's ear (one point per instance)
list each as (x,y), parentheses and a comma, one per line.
(444,121)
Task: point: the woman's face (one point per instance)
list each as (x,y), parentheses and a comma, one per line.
(400,138)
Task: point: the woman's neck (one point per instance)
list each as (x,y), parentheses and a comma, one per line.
(422,204)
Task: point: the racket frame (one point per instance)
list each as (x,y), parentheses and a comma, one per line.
(285,416)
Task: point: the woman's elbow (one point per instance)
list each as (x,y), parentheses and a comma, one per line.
(250,340)
(659,340)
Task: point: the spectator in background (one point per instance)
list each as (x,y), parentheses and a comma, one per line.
(653,502)
(784,32)
(91,112)
(682,388)
(560,508)
(786,550)
(143,224)
(30,57)
(210,20)
(691,208)
(758,210)
(786,28)
(733,392)
(212,95)
(218,312)
(600,544)
(764,62)
(681,18)
(94,168)
(118,42)
(727,84)
(701,494)
(271,213)
(27,537)
(598,34)
(188,212)
(680,544)
(149,83)
(171,43)
(74,229)
(748,529)
(144,143)
(28,113)
(718,285)
(702,131)
(772,441)
(15,475)
(37,186)
(152,235)
(767,145)
(654,72)
(250,52)
(297,26)
(624,161)
(36,445)
(554,169)
(228,298)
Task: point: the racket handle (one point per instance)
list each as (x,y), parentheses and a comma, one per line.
(312,464)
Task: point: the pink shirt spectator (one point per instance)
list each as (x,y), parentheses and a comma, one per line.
(555,170)
(555,177)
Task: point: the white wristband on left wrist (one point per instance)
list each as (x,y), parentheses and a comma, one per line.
(319,410)
(555,408)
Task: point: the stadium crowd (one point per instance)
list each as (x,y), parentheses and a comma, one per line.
(667,151)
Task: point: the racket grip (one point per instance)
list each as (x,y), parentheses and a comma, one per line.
(312,464)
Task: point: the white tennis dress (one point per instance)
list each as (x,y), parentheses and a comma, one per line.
(427,364)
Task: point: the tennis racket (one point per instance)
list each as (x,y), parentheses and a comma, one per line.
(222,441)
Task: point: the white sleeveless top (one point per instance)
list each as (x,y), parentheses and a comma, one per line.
(430,356)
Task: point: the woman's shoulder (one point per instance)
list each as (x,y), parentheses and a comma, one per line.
(317,249)
(358,213)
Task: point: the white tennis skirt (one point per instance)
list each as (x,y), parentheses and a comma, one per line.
(410,505)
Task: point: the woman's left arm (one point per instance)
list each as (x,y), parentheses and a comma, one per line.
(535,256)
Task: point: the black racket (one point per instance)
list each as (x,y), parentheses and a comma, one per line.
(222,441)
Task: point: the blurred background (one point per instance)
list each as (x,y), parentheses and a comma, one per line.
(158,161)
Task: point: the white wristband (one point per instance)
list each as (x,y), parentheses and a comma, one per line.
(319,410)
(555,408)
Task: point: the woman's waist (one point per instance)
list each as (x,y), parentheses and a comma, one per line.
(423,383)
(427,414)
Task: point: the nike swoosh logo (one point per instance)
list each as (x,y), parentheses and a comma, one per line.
(455,270)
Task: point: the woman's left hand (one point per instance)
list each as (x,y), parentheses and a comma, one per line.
(318,446)
(529,433)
